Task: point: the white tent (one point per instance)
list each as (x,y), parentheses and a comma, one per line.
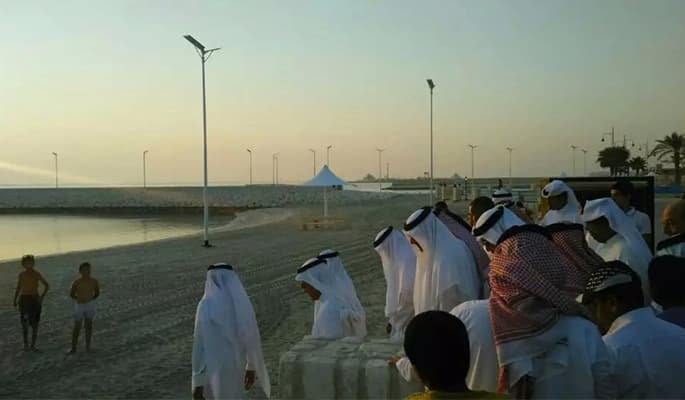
(325,178)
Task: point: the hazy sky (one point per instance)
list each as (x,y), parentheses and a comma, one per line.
(101,81)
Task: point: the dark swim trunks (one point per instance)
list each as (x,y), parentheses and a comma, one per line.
(30,308)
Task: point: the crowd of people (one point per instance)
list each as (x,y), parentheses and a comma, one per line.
(491,306)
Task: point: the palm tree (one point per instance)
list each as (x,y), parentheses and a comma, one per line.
(673,146)
(614,158)
(637,164)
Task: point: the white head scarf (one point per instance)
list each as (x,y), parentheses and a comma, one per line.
(618,220)
(230,334)
(399,266)
(502,196)
(440,265)
(494,222)
(570,213)
(335,263)
(319,274)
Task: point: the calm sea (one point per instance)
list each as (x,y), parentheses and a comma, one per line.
(55,234)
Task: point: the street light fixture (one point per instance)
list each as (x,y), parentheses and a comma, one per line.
(313,169)
(431,86)
(605,134)
(250,152)
(510,150)
(145,168)
(274,168)
(56,169)
(573,152)
(584,161)
(328,155)
(204,56)
(473,173)
(380,168)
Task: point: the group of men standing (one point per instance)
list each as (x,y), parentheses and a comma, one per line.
(575,306)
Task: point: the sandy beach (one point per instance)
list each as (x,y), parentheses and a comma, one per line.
(144,326)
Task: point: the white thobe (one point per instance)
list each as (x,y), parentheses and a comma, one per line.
(399,319)
(569,360)
(649,355)
(330,320)
(617,248)
(483,369)
(641,221)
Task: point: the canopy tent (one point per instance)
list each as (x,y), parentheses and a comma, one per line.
(325,178)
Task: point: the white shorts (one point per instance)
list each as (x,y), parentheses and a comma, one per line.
(85,310)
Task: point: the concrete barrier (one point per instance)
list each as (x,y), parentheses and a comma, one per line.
(349,368)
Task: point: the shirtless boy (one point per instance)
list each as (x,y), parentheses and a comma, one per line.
(28,300)
(84,291)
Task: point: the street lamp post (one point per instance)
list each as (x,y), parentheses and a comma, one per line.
(510,150)
(250,153)
(584,161)
(274,168)
(328,155)
(612,134)
(145,168)
(56,169)
(573,152)
(473,147)
(313,169)
(204,56)
(431,85)
(380,169)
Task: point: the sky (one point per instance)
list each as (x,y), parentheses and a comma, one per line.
(99,82)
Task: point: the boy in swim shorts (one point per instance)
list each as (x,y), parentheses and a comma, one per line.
(29,302)
(84,291)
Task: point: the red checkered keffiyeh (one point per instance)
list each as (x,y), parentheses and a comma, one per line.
(570,240)
(527,279)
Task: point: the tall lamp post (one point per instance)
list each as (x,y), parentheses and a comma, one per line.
(274,168)
(145,168)
(328,155)
(313,169)
(573,155)
(250,153)
(380,168)
(473,173)
(56,169)
(510,149)
(612,135)
(584,161)
(431,86)
(204,56)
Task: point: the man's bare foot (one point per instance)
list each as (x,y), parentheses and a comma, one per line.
(36,350)
(72,351)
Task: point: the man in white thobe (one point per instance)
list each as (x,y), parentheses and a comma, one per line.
(617,238)
(446,273)
(334,316)
(673,220)
(545,346)
(399,268)
(622,193)
(649,353)
(345,285)
(563,205)
(483,368)
(227,350)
